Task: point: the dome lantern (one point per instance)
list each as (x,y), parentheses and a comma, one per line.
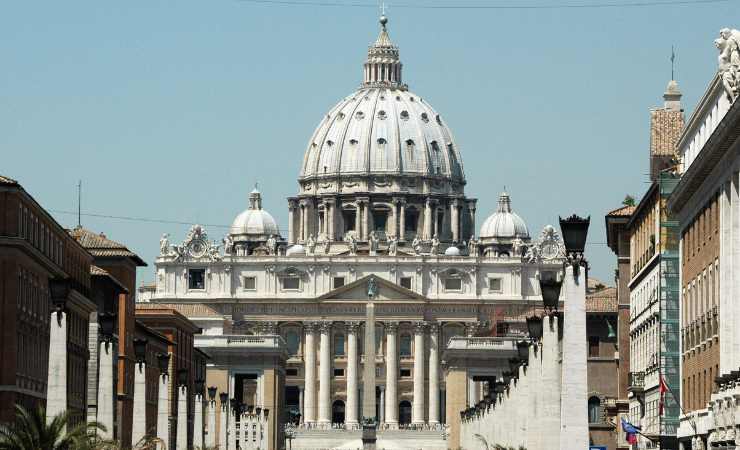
(383,65)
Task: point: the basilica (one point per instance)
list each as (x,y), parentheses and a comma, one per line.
(381,215)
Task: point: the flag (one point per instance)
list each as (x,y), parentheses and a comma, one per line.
(631,431)
(663,389)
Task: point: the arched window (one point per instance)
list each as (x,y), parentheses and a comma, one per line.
(338,345)
(405,347)
(294,342)
(594,410)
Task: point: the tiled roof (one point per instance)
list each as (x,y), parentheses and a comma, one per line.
(8,181)
(99,245)
(100,272)
(624,211)
(186,309)
(604,301)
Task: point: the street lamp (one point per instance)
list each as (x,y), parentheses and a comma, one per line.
(534,326)
(182,377)
(198,386)
(140,350)
(514,364)
(522,348)
(224,397)
(575,232)
(550,289)
(107,325)
(163,360)
(212,393)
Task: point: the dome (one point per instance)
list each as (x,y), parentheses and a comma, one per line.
(382,130)
(296,250)
(504,224)
(254,223)
(452,251)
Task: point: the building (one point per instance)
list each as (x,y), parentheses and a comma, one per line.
(35,249)
(705,204)
(120,263)
(180,332)
(381,208)
(156,344)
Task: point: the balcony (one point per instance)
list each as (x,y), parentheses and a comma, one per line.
(636,382)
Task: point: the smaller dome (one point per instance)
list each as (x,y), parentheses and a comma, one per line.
(504,225)
(296,250)
(254,224)
(452,251)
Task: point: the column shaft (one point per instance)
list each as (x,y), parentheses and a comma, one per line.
(402,221)
(163,407)
(56,398)
(211,435)
(138,429)
(381,419)
(352,379)
(455,221)
(182,418)
(222,429)
(391,374)
(301,409)
(310,374)
(105,389)
(198,421)
(428,220)
(358,221)
(291,224)
(417,411)
(325,374)
(434,374)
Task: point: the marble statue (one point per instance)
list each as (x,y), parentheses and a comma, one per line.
(374,242)
(435,245)
(472,247)
(416,245)
(311,244)
(327,246)
(164,245)
(372,287)
(213,252)
(392,246)
(271,245)
(228,244)
(728,45)
(352,244)
(516,247)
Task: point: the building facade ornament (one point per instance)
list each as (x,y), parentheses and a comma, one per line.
(728,45)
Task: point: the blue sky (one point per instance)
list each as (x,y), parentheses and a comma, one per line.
(174,109)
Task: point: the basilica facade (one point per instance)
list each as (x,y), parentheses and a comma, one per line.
(381,211)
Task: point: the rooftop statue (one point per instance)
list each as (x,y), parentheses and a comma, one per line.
(728,45)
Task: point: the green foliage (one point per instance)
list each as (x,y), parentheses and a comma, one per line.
(629,201)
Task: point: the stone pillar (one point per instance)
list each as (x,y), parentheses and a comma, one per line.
(428,227)
(243,429)
(291,221)
(402,220)
(232,441)
(381,419)
(368,376)
(455,220)
(417,411)
(106,402)
(163,409)
(434,373)
(471,210)
(325,374)
(367,216)
(332,219)
(301,409)
(182,418)
(574,424)
(391,374)
(393,231)
(358,220)
(223,426)
(550,422)
(211,435)
(198,421)
(138,429)
(352,378)
(56,397)
(310,373)
(301,222)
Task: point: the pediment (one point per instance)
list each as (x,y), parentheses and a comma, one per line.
(358,290)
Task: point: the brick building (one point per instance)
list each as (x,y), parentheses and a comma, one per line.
(121,263)
(34,249)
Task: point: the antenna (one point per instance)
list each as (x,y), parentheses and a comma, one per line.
(382,8)
(673,61)
(79,204)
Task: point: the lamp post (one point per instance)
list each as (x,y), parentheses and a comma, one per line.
(106,390)
(163,418)
(550,289)
(575,232)
(138,428)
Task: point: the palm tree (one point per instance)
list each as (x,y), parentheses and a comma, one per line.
(31,432)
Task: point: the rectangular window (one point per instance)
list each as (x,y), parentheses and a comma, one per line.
(453,284)
(406,282)
(250,283)
(338,372)
(405,373)
(291,372)
(291,284)
(196,278)
(338,282)
(494,285)
(593,346)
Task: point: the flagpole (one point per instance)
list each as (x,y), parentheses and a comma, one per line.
(678,402)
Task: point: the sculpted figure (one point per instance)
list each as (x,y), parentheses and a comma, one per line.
(327,246)
(352,244)
(228,244)
(727,71)
(311,244)
(164,245)
(435,245)
(271,245)
(416,245)
(516,247)
(473,247)
(392,246)
(373,243)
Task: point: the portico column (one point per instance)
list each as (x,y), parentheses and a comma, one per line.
(332,219)
(223,425)
(381,419)
(428,219)
(56,402)
(211,435)
(417,412)
(301,410)
(163,407)
(471,209)
(105,388)
(366,220)
(325,374)
(138,429)
(352,379)
(455,220)
(358,220)
(182,417)
(198,421)
(391,374)
(402,220)
(310,373)
(394,221)
(302,222)
(291,221)
(434,373)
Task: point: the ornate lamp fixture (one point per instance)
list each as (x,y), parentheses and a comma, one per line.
(507,377)
(59,291)
(107,323)
(575,232)
(534,326)
(140,350)
(198,386)
(182,377)
(522,348)
(266,412)
(163,360)
(234,406)
(224,397)
(550,290)
(212,393)
(514,364)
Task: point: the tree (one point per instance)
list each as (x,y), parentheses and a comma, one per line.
(629,200)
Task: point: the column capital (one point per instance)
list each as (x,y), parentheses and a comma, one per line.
(326,326)
(362,200)
(420,327)
(352,326)
(456,202)
(391,326)
(433,327)
(381,387)
(399,200)
(305,202)
(311,326)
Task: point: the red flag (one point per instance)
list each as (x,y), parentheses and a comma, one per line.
(663,389)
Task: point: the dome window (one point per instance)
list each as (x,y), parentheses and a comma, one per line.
(424,117)
(382,141)
(359,115)
(411,99)
(340,116)
(439,119)
(329,143)
(404,115)
(353,141)
(435,146)
(410,142)
(398,98)
(382,115)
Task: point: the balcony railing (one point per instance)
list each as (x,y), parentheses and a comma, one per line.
(636,381)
